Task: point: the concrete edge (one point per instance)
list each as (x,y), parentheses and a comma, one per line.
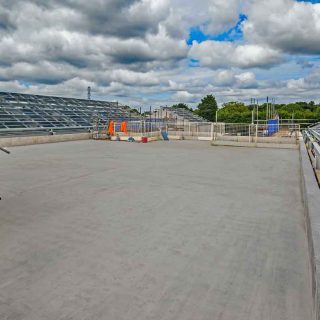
(311,202)
(30,140)
(254,145)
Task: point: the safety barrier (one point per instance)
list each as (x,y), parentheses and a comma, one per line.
(270,132)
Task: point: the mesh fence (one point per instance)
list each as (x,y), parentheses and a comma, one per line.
(257,133)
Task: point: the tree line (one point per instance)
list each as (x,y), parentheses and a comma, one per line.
(238,112)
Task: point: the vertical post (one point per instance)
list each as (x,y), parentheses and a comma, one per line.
(257,111)
(150,120)
(249,133)
(211,131)
(256,134)
(176,124)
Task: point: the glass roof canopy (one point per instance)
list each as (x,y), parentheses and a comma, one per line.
(20,112)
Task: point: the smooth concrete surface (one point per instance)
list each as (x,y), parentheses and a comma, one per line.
(311,196)
(29,140)
(101,230)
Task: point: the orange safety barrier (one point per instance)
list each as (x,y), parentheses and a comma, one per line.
(123,127)
(111,128)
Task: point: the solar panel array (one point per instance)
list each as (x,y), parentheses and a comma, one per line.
(186,114)
(20,112)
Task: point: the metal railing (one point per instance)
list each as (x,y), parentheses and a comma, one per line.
(311,138)
(152,127)
(257,133)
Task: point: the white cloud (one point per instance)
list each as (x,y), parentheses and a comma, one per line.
(216,54)
(246,80)
(229,78)
(224,78)
(134,78)
(223,15)
(135,50)
(185,96)
(213,16)
(286,25)
(310,82)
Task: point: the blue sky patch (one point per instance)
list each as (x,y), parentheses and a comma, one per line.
(233,34)
(311,1)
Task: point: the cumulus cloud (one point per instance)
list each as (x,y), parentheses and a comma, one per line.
(246,80)
(185,96)
(134,78)
(229,78)
(286,25)
(136,50)
(222,15)
(216,54)
(213,16)
(311,81)
(224,78)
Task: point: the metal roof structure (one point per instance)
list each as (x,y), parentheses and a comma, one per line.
(185,114)
(25,112)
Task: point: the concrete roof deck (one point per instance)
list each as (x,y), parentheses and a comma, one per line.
(177,230)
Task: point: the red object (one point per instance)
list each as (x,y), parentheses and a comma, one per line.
(144,139)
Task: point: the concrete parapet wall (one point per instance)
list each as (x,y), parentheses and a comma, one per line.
(254,145)
(252,139)
(24,141)
(311,199)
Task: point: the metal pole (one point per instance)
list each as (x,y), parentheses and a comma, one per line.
(256,133)
(150,120)
(211,131)
(267,110)
(5,150)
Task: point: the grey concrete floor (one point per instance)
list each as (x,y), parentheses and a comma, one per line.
(179,230)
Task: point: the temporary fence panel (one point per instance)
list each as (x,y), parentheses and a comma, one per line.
(270,132)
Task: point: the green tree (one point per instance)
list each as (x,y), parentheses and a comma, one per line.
(207,108)
(235,112)
(317,114)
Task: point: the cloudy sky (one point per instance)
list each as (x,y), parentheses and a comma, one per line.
(158,52)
